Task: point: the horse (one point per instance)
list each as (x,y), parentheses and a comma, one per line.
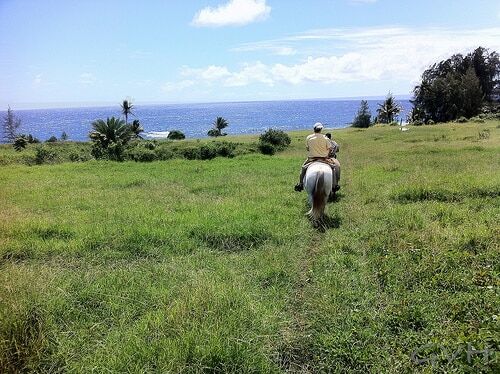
(318,185)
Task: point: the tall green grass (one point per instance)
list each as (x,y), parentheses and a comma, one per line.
(193,266)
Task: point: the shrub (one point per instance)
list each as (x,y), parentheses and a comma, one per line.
(176,135)
(417,123)
(20,142)
(80,156)
(363,117)
(142,155)
(191,153)
(149,145)
(207,152)
(163,153)
(141,151)
(225,149)
(52,139)
(462,120)
(277,138)
(267,148)
(431,122)
(109,138)
(43,155)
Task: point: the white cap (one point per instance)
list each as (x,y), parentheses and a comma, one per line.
(318,126)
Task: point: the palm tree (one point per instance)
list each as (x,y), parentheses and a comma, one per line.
(219,124)
(114,130)
(388,110)
(127,109)
(136,129)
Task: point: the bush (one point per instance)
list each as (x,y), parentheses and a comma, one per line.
(417,123)
(225,149)
(163,153)
(431,122)
(20,142)
(109,138)
(141,151)
(191,153)
(143,155)
(363,117)
(52,139)
(462,120)
(79,156)
(277,138)
(43,155)
(267,148)
(208,152)
(176,135)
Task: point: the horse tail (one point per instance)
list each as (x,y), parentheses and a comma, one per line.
(318,200)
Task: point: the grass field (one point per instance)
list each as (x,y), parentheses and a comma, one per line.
(211,266)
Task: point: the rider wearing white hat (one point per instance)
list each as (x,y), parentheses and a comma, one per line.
(318,149)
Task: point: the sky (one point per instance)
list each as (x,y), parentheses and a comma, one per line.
(57,53)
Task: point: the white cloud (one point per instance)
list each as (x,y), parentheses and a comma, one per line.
(232,13)
(355,55)
(87,79)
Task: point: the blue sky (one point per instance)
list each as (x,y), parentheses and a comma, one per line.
(57,52)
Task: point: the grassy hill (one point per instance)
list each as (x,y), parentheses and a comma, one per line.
(194,266)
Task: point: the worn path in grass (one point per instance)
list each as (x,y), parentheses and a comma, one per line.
(211,265)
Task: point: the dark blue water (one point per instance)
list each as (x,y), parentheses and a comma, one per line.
(195,120)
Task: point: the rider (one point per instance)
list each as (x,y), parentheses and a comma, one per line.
(318,149)
(333,156)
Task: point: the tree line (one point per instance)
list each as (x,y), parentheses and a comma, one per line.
(458,88)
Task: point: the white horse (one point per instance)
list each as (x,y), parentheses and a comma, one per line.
(318,184)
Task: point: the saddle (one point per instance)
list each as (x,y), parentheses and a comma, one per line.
(325,160)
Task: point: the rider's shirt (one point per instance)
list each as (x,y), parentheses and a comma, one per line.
(317,145)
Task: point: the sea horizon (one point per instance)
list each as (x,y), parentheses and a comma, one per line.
(105,104)
(195,119)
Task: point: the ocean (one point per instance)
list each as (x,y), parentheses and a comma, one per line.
(194,120)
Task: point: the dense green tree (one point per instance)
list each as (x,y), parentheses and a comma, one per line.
(388,110)
(363,117)
(458,86)
(219,124)
(176,135)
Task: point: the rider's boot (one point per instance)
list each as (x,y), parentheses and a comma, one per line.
(300,186)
